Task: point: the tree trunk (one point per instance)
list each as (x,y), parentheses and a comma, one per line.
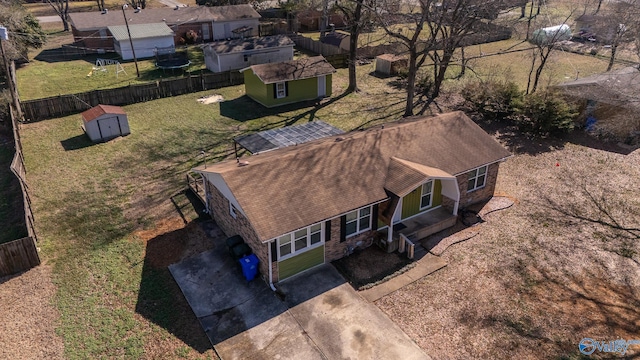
(353,46)
(599,5)
(441,72)
(612,59)
(411,81)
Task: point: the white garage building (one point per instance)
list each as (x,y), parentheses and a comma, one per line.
(105,122)
(145,37)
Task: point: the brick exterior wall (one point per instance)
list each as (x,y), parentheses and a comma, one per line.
(334,249)
(468,198)
(219,208)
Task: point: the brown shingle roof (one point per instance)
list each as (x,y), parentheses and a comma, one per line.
(404,176)
(85,21)
(619,87)
(100,110)
(289,188)
(293,70)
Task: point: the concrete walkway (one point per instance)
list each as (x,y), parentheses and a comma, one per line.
(425,266)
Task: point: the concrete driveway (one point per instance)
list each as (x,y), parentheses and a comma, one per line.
(320,316)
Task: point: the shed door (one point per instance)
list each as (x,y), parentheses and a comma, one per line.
(322,86)
(109,127)
(205,32)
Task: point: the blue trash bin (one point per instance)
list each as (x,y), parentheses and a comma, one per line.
(249,266)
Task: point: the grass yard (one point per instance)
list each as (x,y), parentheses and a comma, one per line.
(49,74)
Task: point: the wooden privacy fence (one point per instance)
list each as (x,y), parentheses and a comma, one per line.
(62,105)
(18,255)
(21,254)
(316,46)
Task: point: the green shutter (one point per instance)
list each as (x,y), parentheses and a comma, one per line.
(299,263)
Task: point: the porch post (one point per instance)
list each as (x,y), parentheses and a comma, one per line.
(455,207)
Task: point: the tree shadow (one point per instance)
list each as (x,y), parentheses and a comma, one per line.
(76,143)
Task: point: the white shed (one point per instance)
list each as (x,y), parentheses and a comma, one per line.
(551,34)
(105,122)
(239,54)
(145,37)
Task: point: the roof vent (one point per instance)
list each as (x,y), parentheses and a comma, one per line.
(339,139)
(105,11)
(137,10)
(176,8)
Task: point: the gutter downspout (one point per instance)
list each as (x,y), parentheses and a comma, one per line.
(273,288)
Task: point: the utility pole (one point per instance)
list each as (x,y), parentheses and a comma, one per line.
(126,22)
(4,36)
(325,18)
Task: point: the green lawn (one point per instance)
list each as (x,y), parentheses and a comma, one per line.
(48,75)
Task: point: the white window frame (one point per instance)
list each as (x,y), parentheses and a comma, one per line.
(292,241)
(359,217)
(281,90)
(474,175)
(423,194)
(233,211)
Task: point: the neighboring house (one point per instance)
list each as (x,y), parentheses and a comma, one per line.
(90,29)
(105,122)
(312,203)
(289,82)
(609,99)
(596,28)
(146,38)
(310,19)
(238,54)
(337,39)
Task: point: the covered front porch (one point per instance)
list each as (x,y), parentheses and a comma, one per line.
(423,201)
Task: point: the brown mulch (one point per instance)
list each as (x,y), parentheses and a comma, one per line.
(370,265)
(27,329)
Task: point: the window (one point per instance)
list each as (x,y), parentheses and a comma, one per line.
(246,58)
(358,221)
(426,197)
(232,210)
(476,178)
(281,90)
(299,241)
(284,245)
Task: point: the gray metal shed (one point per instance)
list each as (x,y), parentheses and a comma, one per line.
(105,122)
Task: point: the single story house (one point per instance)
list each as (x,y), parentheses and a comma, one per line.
(144,37)
(609,100)
(338,39)
(304,205)
(91,29)
(289,82)
(105,122)
(238,54)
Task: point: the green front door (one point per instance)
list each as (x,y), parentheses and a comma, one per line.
(299,263)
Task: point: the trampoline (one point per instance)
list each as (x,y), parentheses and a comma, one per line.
(173,61)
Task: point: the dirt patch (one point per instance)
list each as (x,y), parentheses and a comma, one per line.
(370,265)
(171,241)
(211,99)
(27,329)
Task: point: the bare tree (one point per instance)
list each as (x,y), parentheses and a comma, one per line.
(61,7)
(433,30)
(352,12)
(619,25)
